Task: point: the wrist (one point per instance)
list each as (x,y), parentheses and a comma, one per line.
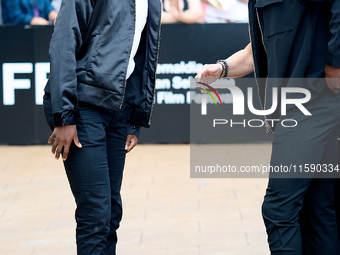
(222,68)
(225,67)
(63,119)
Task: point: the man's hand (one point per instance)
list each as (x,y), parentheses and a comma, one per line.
(333,78)
(131,142)
(63,137)
(209,73)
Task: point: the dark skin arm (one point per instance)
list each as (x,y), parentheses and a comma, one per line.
(64,136)
(333,78)
(131,142)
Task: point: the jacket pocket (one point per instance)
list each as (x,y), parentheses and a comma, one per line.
(93,50)
(275,17)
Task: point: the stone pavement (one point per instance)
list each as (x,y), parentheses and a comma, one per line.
(165,212)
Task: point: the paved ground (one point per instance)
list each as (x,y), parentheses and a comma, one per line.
(165,212)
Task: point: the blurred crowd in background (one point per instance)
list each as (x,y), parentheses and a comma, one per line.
(44,12)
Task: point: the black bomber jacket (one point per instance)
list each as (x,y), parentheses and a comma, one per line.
(89,54)
(293,39)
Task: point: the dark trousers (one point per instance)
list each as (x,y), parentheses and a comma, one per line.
(296,209)
(95,175)
(317,219)
(337,190)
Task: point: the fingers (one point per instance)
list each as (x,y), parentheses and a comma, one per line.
(199,84)
(209,73)
(63,137)
(76,141)
(55,144)
(66,151)
(131,142)
(54,147)
(59,150)
(333,85)
(52,137)
(332,75)
(128,142)
(63,148)
(335,90)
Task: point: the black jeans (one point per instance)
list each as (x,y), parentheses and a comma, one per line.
(337,191)
(95,175)
(313,141)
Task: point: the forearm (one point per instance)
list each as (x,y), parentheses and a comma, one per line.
(65,44)
(240,63)
(191,17)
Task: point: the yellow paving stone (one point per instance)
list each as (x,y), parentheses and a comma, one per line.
(165,212)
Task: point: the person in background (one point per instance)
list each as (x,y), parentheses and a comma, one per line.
(237,12)
(56,4)
(228,11)
(185,11)
(214,12)
(0,14)
(28,12)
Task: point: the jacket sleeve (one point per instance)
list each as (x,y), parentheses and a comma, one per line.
(333,57)
(66,43)
(133,130)
(16,15)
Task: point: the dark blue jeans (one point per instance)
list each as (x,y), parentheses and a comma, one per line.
(337,190)
(95,175)
(296,209)
(318,215)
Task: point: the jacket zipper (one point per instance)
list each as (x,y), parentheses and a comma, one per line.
(268,127)
(154,90)
(121,104)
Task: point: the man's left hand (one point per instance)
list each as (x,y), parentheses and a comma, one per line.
(131,142)
(332,75)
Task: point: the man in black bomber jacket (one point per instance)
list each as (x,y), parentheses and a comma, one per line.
(101,89)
